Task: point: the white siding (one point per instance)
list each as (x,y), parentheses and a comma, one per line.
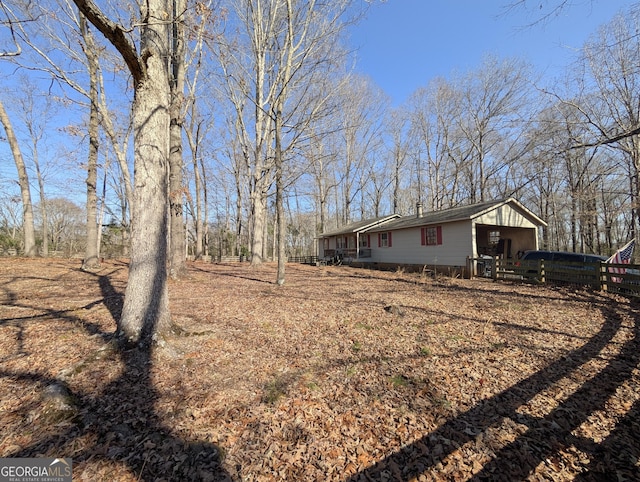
(406,248)
(506,215)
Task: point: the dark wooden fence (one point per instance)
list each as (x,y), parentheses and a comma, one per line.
(313,260)
(615,278)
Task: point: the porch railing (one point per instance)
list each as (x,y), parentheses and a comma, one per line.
(350,253)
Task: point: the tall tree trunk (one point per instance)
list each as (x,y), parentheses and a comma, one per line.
(120,151)
(91,260)
(197,181)
(258,220)
(23,180)
(146,308)
(239,224)
(198,213)
(43,203)
(145,313)
(281,224)
(177,252)
(205,211)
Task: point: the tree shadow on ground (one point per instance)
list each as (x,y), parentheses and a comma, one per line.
(120,427)
(543,438)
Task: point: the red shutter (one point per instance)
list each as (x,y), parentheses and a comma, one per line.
(379,239)
(423,236)
(439,234)
(389,237)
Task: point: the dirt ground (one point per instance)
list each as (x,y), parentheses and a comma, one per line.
(342,374)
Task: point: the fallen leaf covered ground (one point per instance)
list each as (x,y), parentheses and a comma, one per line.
(342,374)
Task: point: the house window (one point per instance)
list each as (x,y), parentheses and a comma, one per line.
(340,242)
(365,241)
(325,243)
(494,237)
(431,236)
(351,241)
(384,240)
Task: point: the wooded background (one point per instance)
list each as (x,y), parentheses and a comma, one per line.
(267,116)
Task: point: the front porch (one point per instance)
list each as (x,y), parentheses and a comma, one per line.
(346,255)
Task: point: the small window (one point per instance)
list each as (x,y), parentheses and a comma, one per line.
(431,236)
(365,241)
(325,243)
(340,242)
(384,240)
(494,237)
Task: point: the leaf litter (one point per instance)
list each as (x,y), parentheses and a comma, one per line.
(340,374)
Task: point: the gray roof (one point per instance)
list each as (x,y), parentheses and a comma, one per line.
(360,226)
(459,213)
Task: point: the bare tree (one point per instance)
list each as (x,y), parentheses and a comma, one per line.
(35,114)
(244,66)
(359,128)
(30,248)
(91,260)
(437,148)
(66,226)
(492,101)
(397,129)
(145,313)
(187,114)
(23,179)
(308,51)
(177,251)
(74,42)
(612,64)
(322,160)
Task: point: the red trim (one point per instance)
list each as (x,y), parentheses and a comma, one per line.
(389,238)
(424,236)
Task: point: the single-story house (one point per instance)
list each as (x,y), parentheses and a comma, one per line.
(445,239)
(351,241)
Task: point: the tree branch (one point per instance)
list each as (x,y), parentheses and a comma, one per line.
(116,35)
(609,140)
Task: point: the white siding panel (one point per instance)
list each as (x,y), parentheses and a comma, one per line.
(506,215)
(406,248)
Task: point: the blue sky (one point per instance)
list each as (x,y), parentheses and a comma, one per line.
(405,43)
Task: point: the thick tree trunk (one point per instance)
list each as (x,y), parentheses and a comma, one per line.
(145,314)
(146,307)
(23,180)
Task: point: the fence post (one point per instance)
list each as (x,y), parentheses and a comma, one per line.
(602,276)
(541,271)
